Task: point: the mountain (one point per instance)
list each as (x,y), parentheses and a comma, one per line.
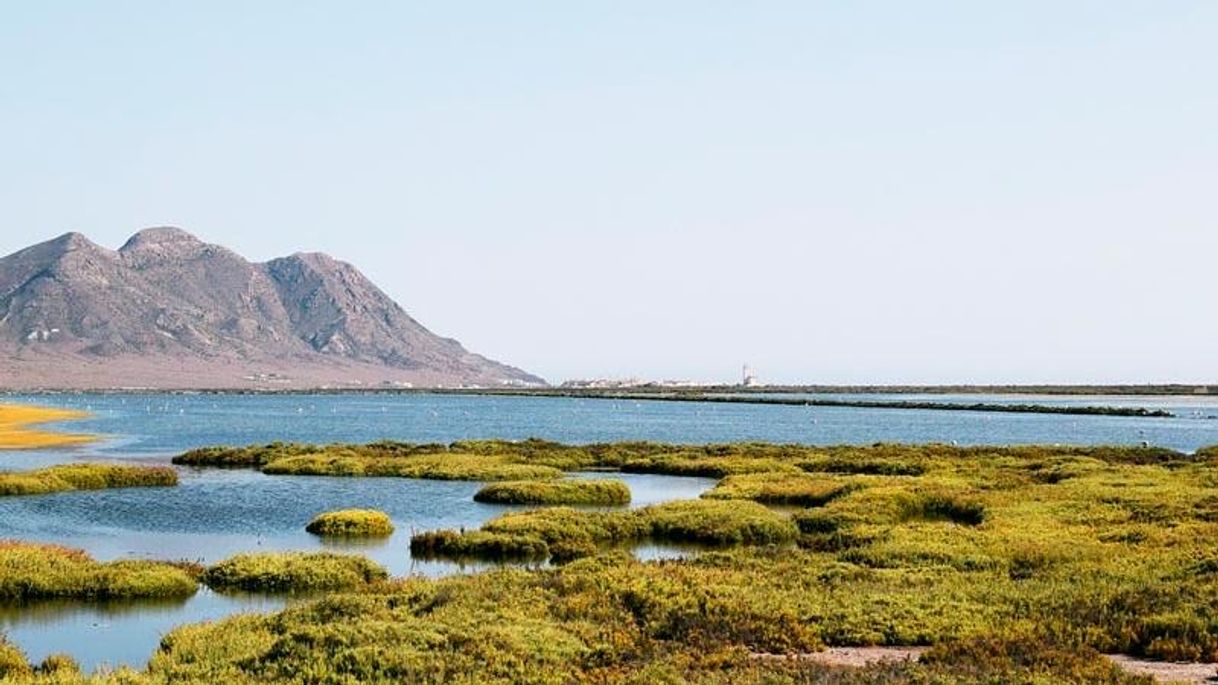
(167,310)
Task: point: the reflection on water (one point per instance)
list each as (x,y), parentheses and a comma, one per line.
(214,514)
(116,633)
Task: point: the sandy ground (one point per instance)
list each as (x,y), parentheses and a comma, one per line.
(16,434)
(857,657)
(854,657)
(1169,672)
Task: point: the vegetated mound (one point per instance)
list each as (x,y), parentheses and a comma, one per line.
(293,572)
(538,533)
(792,489)
(170,311)
(566,491)
(67,477)
(500,459)
(351,523)
(31,571)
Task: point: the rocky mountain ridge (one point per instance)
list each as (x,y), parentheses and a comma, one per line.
(168,310)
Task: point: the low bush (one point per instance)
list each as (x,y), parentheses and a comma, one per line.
(69,477)
(567,491)
(30,571)
(793,489)
(12,662)
(427,466)
(252,456)
(478,544)
(59,665)
(351,523)
(293,572)
(570,533)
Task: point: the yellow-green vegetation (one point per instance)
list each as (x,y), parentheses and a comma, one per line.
(614,620)
(566,491)
(1017,564)
(30,571)
(1209,452)
(398,460)
(293,572)
(84,477)
(351,523)
(794,489)
(16,434)
(566,533)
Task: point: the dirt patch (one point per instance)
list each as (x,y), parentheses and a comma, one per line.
(854,657)
(1167,671)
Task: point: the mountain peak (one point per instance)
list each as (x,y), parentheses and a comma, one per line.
(170,310)
(159,236)
(73,241)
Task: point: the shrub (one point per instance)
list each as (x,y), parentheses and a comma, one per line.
(58,664)
(572,533)
(293,572)
(351,523)
(31,571)
(947,508)
(12,661)
(719,523)
(569,491)
(68,477)
(478,544)
(446,466)
(795,489)
(253,456)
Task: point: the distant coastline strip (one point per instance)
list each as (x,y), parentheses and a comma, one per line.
(1021,408)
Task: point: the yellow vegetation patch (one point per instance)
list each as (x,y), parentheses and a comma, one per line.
(16,434)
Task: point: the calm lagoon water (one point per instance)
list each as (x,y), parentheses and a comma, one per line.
(216,513)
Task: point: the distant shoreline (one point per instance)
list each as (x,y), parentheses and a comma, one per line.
(1147,390)
(736,395)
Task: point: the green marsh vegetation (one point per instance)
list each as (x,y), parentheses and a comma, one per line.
(1019,565)
(293,572)
(570,533)
(69,477)
(31,571)
(566,491)
(351,523)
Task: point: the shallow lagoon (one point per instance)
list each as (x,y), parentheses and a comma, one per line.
(216,513)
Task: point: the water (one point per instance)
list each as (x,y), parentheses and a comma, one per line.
(213,514)
(166,424)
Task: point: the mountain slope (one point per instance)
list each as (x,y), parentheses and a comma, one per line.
(167,310)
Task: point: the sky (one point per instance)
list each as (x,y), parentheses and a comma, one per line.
(832,192)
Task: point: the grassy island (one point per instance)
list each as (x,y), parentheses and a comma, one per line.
(68,477)
(293,572)
(351,523)
(397,460)
(31,571)
(570,533)
(16,432)
(567,491)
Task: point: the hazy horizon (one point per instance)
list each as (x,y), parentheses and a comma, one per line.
(832,193)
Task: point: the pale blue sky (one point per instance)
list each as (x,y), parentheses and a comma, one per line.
(833,191)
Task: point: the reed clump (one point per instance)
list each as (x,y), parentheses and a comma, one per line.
(31,571)
(293,572)
(351,523)
(537,533)
(566,491)
(67,477)
(784,488)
